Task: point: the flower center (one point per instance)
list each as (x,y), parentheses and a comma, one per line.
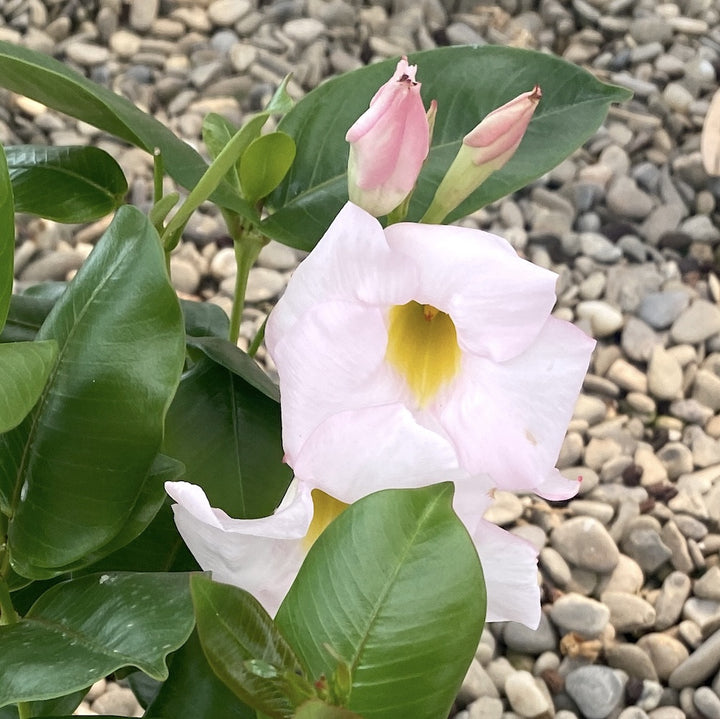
(422,346)
(325,509)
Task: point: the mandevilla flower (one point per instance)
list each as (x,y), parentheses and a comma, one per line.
(263,556)
(420,351)
(388,144)
(407,356)
(483,151)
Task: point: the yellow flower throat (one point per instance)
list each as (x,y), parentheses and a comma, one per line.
(423,347)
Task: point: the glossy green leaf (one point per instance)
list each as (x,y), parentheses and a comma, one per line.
(7,238)
(65,184)
(244,648)
(217,131)
(193,691)
(25,317)
(264,164)
(81,458)
(54,84)
(280,102)
(464,80)
(48,708)
(226,430)
(24,369)
(84,629)
(204,319)
(317,709)
(393,587)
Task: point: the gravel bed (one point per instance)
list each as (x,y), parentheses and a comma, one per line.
(630,569)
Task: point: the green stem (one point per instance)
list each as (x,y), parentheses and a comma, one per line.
(205,187)
(257,340)
(247,248)
(158,173)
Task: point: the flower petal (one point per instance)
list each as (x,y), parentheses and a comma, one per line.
(317,380)
(354,453)
(510,567)
(262,556)
(352,262)
(498,301)
(509,419)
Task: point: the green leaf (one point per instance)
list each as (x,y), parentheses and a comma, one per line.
(82,630)
(226,430)
(217,131)
(204,319)
(238,636)
(193,691)
(264,164)
(464,80)
(25,317)
(317,709)
(81,458)
(48,708)
(65,184)
(52,83)
(24,369)
(7,238)
(280,102)
(393,587)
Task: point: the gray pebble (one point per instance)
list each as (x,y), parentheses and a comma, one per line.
(628,613)
(700,665)
(576,613)
(530,641)
(597,690)
(661,309)
(707,702)
(646,548)
(586,543)
(665,652)
(696,323)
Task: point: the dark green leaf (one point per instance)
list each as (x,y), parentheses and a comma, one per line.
(280,102)
(52,83)
(227,431)
(192,690)
(464,80)
(82,630)
(82,456)
(264,164)
(394,588)
(26,315)
(204,319)
(24,369)
(236,631)
(7,239)
(49,707)
(65,184)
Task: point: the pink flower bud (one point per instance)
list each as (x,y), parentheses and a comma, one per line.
(388,144)
(484,150)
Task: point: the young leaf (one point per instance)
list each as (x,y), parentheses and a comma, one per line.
(65,184)
(82,455)
(7,239)
(464,81)
(264,164)
(244,648)
(193,690)
(82,630)
(226,430)
(54,84)
(394,587)
(24,369)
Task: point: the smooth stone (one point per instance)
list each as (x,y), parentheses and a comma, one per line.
(699,666)
(597,690)
(666,653)
(677,544)
(704,612)
(119,701)
(664,375)
(505,510)
(575,613)
(87,54)
(185,276)
(627,577)
(586,543)
(676,458)
(638,339)
(477,683)
(628,613)
(530,641)
(625,198)
(706,389)
(484,708)
(661,309)
(646,548)
(605,320)
(553,564)
(708,586)
(695,324)
(591,409)
(225,13)
(525,696)
(627,376)
(631,659)
(263,284)
(707,702)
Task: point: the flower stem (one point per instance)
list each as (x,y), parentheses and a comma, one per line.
(247,248)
